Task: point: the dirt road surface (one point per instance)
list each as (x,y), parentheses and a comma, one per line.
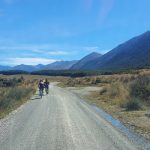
(59,121)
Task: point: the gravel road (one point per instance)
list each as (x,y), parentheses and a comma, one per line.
(59,121)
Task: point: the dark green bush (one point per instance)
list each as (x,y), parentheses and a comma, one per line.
(133,104)
(140,88)
(11,82)
(20,80)
(98,80)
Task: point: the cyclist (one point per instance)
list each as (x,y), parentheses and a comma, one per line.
(41,88)
(46,85)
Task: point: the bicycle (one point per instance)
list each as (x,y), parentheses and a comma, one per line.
(40,93)
(46,90)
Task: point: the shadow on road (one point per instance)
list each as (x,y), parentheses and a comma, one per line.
(35,98)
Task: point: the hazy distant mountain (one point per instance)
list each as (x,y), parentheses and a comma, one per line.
(3,68)
(39,66)
(60,65)
(85,60)
(131,54)
(28,68)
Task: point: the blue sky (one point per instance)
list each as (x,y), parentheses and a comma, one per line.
(43,31)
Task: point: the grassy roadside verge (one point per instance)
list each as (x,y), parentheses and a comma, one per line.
(136,120)
(14,91)
(125,96)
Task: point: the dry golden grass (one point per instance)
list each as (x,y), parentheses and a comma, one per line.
(14,91)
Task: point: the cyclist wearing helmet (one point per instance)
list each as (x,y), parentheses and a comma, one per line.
(41,88)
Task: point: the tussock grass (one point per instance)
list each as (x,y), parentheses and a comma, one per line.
(115,94)
(140,88)
(119,89)
(13,92)
(129,92)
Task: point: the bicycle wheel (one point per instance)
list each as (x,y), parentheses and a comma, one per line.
(40,93)
(46,90)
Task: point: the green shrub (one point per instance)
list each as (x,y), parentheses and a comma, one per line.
(98,80)
(133,104)
(140,88)
(11,82)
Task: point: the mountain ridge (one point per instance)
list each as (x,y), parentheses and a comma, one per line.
(58,65)
(85,60)
(133,53)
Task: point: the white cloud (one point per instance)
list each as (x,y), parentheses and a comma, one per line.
(26,61)
(96,49)
(54,53)
(42,49)
(104,11)
(58,53)
(92,48)
(25,47)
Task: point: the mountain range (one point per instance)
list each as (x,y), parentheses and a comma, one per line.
(58,65)
(4,68)
(134,53)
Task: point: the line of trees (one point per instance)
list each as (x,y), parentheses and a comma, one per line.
(71,73)
(13,72)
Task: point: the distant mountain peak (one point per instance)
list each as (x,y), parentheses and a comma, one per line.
(61,65)
(84,60)
(134,53)
(94,53)
(147,32)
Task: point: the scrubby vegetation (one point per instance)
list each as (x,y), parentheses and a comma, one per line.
(17,89)
(65,73)
(13,92)
(83,73)
(130,91)
(140,88)
(133,104)
(13,72)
